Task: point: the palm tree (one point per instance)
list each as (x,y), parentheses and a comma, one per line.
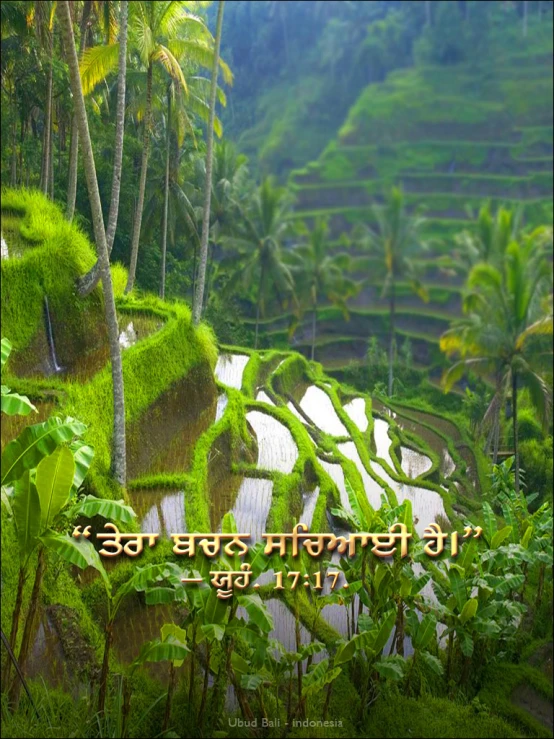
(119,453)
(74,146)
(88,282)
(489,239)
(260,231)
(397,236)
(179,199)
(502,334)
(199,297)
(163,33)
(230,188)
(318,274)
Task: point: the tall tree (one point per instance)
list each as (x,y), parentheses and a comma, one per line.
(199,297)
(258,237)
(164,34)
(74,145)
(504,333)
(320,274)
(118,451)
(89,281)
(394,240)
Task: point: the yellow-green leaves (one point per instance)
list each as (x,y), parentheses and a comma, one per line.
(54,481)
(25,506)
(469,610)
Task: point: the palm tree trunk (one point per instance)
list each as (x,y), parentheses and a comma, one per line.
(166,193)
(391,335)
(118,451)
(119,125)
(259,303)
(199,296)
(51,164)
(515,427)
(28,631)
(72,174)
(45,170)
(142,182)
(74,148)
(15,624)
(91,279)
(314,328)
(209,274)
(13,173)
(428,17)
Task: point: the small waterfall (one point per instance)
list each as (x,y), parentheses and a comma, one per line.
(50,337)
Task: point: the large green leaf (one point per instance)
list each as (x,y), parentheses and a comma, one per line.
(215,610)
(500,536)
(83,455)
(345,652)
(159,651)
(54,481)
(489,520)
(469,610)
(16,405)
(426,631)
(144,577)
(257,611)
(458,586)
(384,632)
(391,667)
(6,345)
(251,682)
(213,632)
(114,510)
(179,634)
(26,512)
(240,665)
(432,662)
(526,538)
(318,677)
(160,596)
(511,520)
(36,442)
(79,552)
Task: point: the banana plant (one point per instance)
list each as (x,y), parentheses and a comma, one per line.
(172,647)
(40,503)
(423,634)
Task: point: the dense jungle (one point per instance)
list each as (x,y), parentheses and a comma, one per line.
(269,263)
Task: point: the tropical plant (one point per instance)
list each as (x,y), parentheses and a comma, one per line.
(119,461)
(503,334)
(160,33)
(199,297)
(488,240)
(395,239)
(320,275)
(42,471)
(257,241)
(88,282)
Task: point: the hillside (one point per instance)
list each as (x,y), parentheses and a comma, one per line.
(452,137)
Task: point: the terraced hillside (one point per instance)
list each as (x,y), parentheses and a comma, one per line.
(264,435)
(452,137)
